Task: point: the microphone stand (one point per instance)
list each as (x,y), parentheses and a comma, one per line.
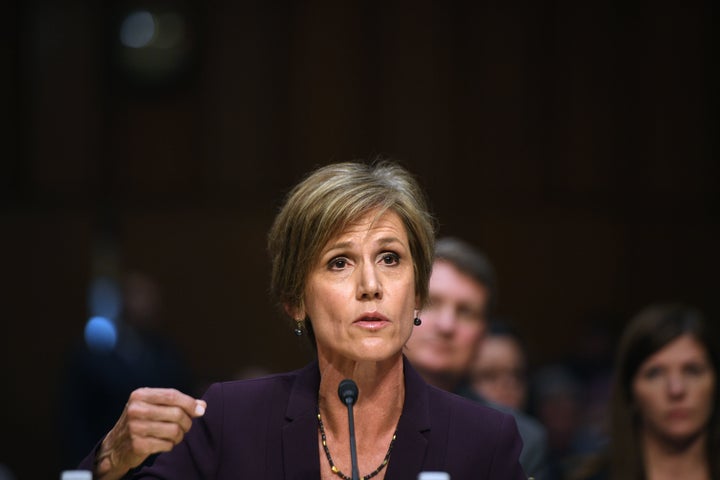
(348,393)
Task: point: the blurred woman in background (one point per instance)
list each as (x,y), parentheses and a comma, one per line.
(664,411)
(499,372)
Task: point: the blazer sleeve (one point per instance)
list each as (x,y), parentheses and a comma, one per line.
(197,456)
(194,457)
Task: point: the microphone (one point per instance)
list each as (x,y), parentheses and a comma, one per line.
(348,393)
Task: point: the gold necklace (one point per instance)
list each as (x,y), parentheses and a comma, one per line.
(337,471)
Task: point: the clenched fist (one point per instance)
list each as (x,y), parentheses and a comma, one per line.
(154,420)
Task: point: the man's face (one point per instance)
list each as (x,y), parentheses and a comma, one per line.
(452,324)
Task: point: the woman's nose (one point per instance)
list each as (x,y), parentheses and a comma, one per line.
(676,385)
(369,285)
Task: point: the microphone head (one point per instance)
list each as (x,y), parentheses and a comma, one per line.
(348,392)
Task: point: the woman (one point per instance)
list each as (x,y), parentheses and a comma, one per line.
(664,411)
(498,372)
(351,253)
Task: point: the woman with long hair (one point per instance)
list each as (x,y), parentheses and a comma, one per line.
(664,420)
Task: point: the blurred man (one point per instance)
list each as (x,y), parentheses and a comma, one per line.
(442,349)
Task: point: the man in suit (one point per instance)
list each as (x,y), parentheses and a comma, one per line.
(462,293)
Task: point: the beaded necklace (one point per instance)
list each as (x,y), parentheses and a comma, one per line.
(335,470)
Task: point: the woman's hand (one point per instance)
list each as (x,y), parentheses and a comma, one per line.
(154,420)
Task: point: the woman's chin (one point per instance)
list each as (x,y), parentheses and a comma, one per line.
(682,435)
(374,349)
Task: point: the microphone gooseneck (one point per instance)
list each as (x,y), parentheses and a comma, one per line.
(348,393)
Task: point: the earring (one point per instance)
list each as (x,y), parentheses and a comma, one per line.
(417,321)
(299,328)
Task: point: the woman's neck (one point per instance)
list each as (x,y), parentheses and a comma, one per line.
(381,388)
(667,460)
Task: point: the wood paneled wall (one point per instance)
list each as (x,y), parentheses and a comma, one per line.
(573,143)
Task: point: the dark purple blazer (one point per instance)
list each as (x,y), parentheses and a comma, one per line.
(267,429)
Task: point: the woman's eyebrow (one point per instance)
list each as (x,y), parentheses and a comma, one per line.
(337,246)
(384,241)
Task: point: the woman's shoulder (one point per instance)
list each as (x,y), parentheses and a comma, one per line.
(461,420)
(439,406)
(235,387)
(278,385)
(471,437)
(466,410)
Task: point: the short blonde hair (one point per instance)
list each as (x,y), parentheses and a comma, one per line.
(329,199)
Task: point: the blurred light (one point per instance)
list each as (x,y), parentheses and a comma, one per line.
(104,298)
(155,45)
(138,29)
(100,334)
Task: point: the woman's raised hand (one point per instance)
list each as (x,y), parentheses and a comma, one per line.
(154,420)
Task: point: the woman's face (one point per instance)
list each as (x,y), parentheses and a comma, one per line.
(498,372)
(674,390)
(360,293)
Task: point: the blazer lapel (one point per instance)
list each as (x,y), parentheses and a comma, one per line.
(300,437)
(409,452)
(299,434)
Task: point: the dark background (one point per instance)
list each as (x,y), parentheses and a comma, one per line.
(575,143)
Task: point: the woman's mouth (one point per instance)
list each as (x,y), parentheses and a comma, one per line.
(371,321)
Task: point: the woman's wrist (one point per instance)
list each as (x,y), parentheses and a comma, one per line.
(106,464)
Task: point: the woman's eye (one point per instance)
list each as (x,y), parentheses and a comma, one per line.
(337,263)
(652,373)
(390,259)
(695,369)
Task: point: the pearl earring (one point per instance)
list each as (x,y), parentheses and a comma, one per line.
(299,326)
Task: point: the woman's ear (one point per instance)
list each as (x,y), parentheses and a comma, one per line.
(294,312)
